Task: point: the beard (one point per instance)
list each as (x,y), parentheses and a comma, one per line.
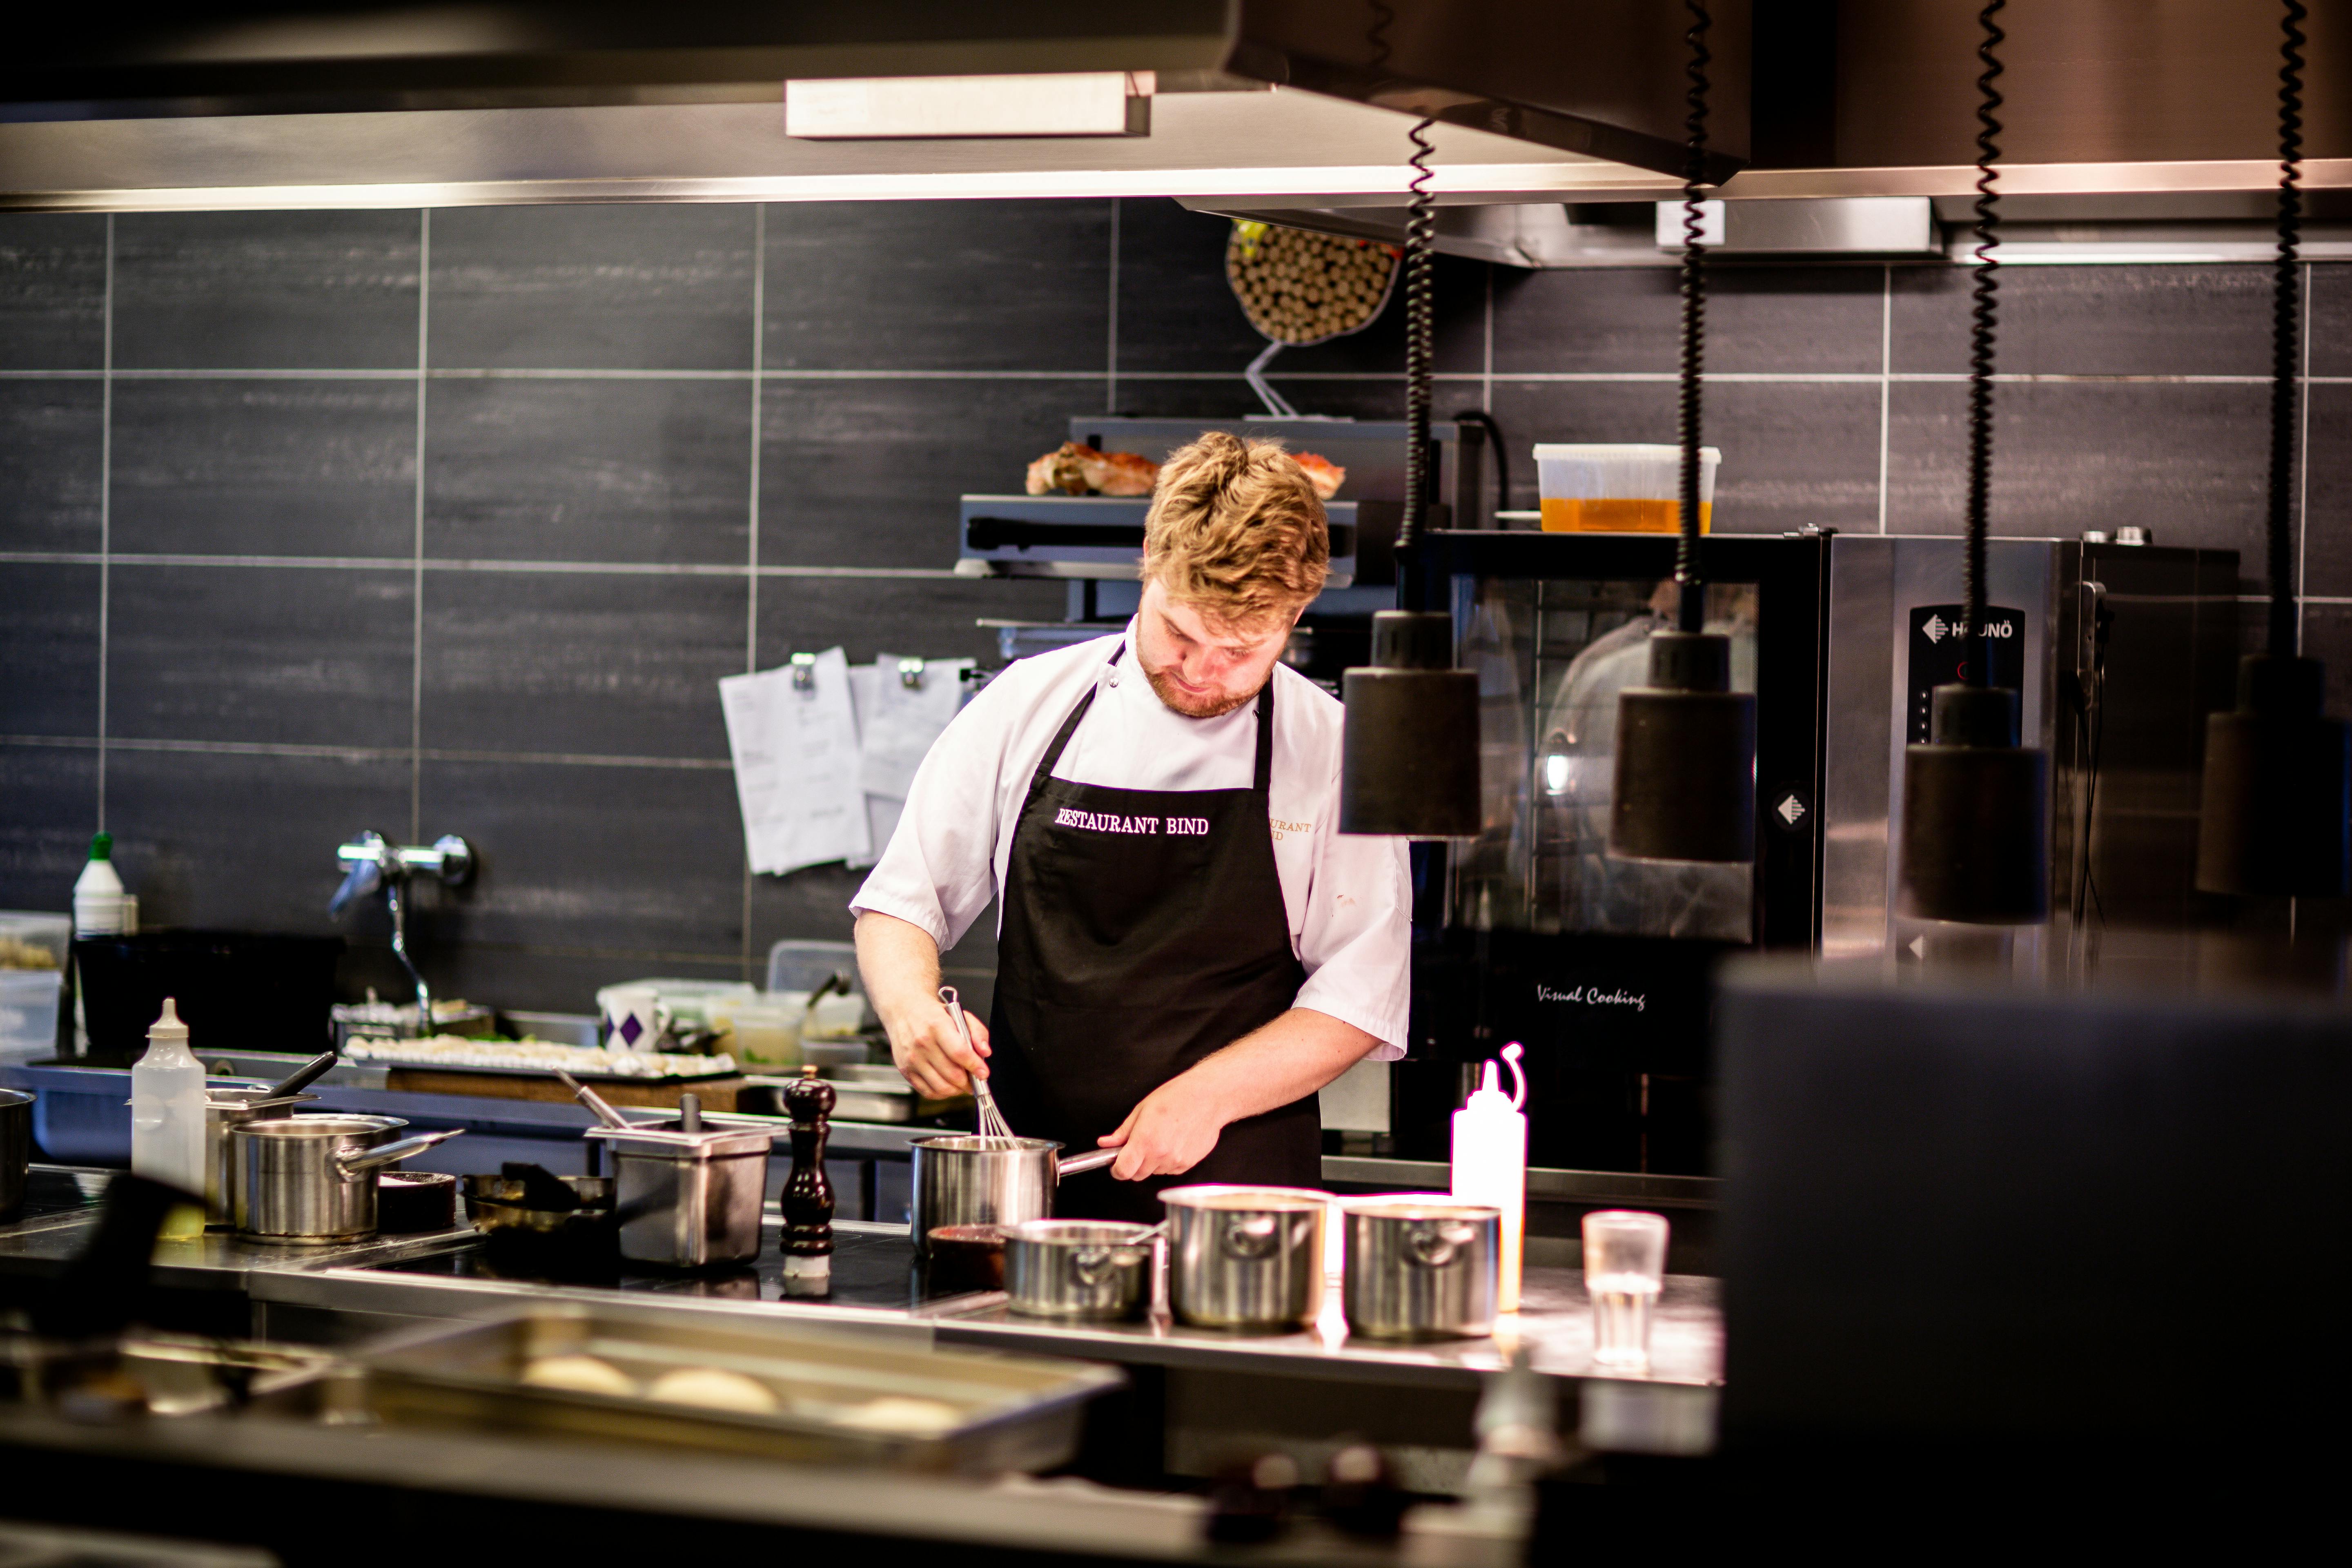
(1178,701)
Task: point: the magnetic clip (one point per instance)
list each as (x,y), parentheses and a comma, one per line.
(911,674)
(803,672)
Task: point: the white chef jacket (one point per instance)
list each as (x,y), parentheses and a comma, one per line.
(1348,897)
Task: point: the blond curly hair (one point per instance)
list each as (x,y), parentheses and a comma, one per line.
(1235,532)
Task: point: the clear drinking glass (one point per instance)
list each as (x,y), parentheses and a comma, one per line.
(1625,1268)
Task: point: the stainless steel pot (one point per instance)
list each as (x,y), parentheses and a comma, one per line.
(687,1200)
(964,1179)
(16,1149)
(230,1107)
(1419,1267)
(1245,1258)
(311,1179)
(1094,1270)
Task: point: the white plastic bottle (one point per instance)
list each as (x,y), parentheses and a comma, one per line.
(100,907)
(1490,1162)
(167,1107)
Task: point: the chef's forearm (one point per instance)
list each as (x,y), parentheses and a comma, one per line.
(1288,1060)
(900,965)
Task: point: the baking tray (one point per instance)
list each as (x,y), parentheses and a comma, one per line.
(1000,1413)
(548,1074)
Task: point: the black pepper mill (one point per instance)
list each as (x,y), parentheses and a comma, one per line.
(807,1200)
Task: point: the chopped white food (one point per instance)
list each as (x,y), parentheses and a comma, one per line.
(580,1374)
(713,1388)
(542,1055)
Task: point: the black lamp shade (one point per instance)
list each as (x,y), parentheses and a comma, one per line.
(1686,776)
(1408,754)
(2278,788)
(1976,816)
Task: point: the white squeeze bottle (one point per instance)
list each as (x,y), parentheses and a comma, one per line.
(100,905)
(167,1107)
(1490,1162)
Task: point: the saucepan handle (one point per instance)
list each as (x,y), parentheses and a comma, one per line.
(1092,1160)
(359,1161)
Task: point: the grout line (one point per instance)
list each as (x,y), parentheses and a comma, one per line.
(408,564)
(105,511)
(367,754)
(1885,388)
(1110,395)
(416,572)
(751,559)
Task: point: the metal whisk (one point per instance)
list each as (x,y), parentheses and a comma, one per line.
(987,1121)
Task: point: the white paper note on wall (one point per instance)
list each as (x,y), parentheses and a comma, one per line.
(796,765)
(897,731)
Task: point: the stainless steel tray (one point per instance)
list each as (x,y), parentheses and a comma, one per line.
(1001,1411)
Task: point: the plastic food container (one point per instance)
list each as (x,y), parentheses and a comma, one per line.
(1620,487)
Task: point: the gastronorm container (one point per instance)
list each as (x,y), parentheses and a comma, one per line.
(687,1200)
(1093,1271)
(1245,1258)
(994,1412)
(960,1178)
(1419,1267)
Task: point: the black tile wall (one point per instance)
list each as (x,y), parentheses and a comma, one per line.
(641,860)
(2185,460)
(51,796)
(588,470)
(870,285)
(50,648)
(587,506)
(630,288)
(579,663)
(265,291)
(867,473)
(264,468)
(52,469)
(274,656)
(2091,320)
(52,292)
(243,841)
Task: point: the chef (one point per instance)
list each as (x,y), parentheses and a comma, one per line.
(1187,948)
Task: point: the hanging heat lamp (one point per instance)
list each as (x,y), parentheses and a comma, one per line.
(2278,771)
(1686,770)
(1976,812)
(1409,753)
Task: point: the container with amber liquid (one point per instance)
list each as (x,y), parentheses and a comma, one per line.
(1620,487)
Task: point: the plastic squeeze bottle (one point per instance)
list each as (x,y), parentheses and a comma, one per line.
(1490,1162)
(167,1107)
(101,908)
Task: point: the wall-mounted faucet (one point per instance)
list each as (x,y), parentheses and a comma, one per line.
(373,864)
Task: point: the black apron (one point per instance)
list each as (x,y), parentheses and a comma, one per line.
(1143,930)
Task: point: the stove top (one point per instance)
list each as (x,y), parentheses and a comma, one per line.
(875,1268)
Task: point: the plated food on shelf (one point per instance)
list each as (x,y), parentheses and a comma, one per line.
(461,1055)
(1074,468)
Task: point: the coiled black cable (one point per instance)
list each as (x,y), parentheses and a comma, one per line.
(2286,316)
(1420,337)
(1691,609)
(1984,317)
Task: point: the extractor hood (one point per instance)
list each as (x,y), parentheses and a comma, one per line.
(259,104)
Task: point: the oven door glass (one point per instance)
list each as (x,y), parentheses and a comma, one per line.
(1551,656)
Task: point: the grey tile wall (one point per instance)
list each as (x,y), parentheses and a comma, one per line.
(310,523)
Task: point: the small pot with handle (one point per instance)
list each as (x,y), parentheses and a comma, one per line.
(1079,1269)
(311,1179)
(961,1178)
(1245,1258)
(1420,1268)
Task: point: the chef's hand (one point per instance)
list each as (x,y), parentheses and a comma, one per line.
(931,1056)
(1169,1133)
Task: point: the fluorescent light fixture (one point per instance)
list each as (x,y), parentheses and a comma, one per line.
(1079,103)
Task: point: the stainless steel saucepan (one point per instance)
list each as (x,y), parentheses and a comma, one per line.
(1245,1258)
(311,1179)
(960,1178)
(1420,1266)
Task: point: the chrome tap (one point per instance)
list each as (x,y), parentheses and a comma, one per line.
(373,864)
